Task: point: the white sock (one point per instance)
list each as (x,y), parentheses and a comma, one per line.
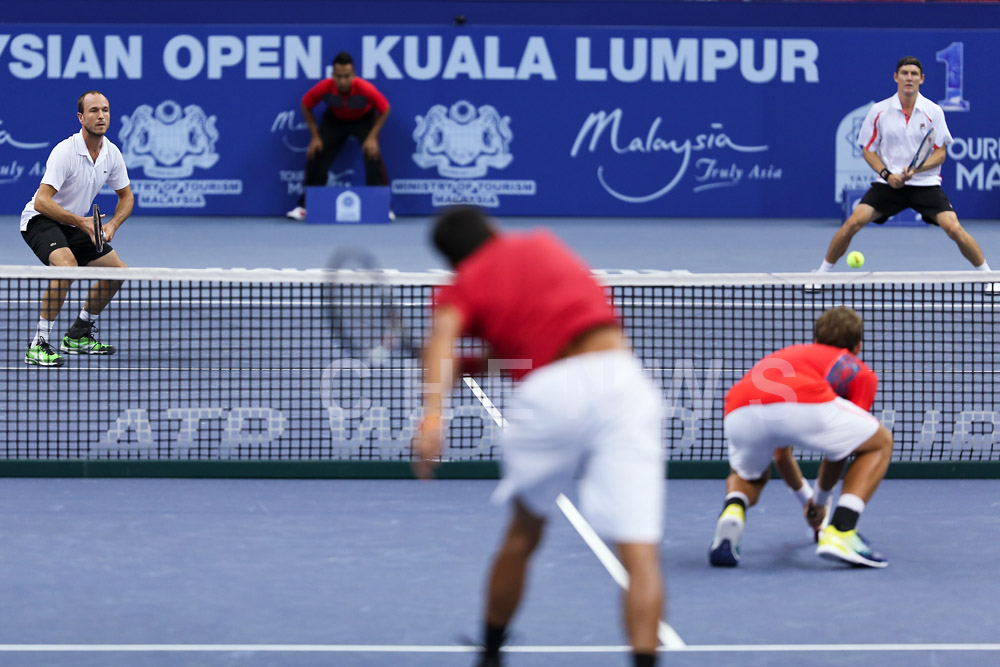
(42,331)
(851,502)
(804,494)
(824,267)
(87,317)
(985,266)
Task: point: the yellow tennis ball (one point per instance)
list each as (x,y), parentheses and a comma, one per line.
(855,260)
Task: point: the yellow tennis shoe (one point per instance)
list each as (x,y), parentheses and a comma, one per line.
(848,547)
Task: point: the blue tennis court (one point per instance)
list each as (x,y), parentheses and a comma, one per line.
(350,572)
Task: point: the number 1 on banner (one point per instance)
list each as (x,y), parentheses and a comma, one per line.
(953,58)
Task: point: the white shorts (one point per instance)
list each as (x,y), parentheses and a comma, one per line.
(595,417)
(835,428)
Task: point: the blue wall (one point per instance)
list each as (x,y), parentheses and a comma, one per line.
(972,15)
(563,116)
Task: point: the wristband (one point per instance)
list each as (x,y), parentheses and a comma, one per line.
(884,173)
(820,496)
(804,494)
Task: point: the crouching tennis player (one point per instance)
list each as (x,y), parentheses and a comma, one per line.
(816,397)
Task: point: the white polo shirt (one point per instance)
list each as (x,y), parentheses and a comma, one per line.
(895,137)
(76,178)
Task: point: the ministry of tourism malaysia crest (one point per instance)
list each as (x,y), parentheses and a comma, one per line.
(463,142)
(170,143)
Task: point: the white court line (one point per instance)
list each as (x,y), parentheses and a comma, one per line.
(666,634)
(788,648)
(410,648)
(492,409)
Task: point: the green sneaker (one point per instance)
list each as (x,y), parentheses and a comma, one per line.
(42,354)
(85,344)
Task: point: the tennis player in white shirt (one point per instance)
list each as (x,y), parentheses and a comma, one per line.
(889,137)
(58,226)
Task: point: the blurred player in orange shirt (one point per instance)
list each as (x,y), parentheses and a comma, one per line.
(817,397)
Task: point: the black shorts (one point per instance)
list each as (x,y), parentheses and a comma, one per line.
(45,235)
(927,200)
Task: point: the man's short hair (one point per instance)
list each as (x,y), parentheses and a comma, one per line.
(840,327)
(909,60)
(459,232)
(79,100)
(343,58)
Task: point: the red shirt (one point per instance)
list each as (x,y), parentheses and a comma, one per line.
(355,104)
(528,296)
(811,373)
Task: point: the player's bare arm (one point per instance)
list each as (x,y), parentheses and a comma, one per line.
(935,159)
(788,468)
(875,162)
(439,375)
(123,209)
(47,206)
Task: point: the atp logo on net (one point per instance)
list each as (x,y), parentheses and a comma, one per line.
(168,143)
(462,142)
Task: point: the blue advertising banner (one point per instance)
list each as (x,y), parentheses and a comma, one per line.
(675,122)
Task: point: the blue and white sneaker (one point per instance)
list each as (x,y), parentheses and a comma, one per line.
(848,547)
(725,550)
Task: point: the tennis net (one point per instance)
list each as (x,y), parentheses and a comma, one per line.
(245,365)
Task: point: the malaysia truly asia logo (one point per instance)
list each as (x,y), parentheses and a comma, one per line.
(462,143)
(168,143)
(713,157)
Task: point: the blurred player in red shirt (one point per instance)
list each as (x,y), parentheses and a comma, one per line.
(583,414)
(354,108)
(816,397)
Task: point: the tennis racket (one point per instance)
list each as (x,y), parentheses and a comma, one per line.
(924,151)
(366,312)
(98,230)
